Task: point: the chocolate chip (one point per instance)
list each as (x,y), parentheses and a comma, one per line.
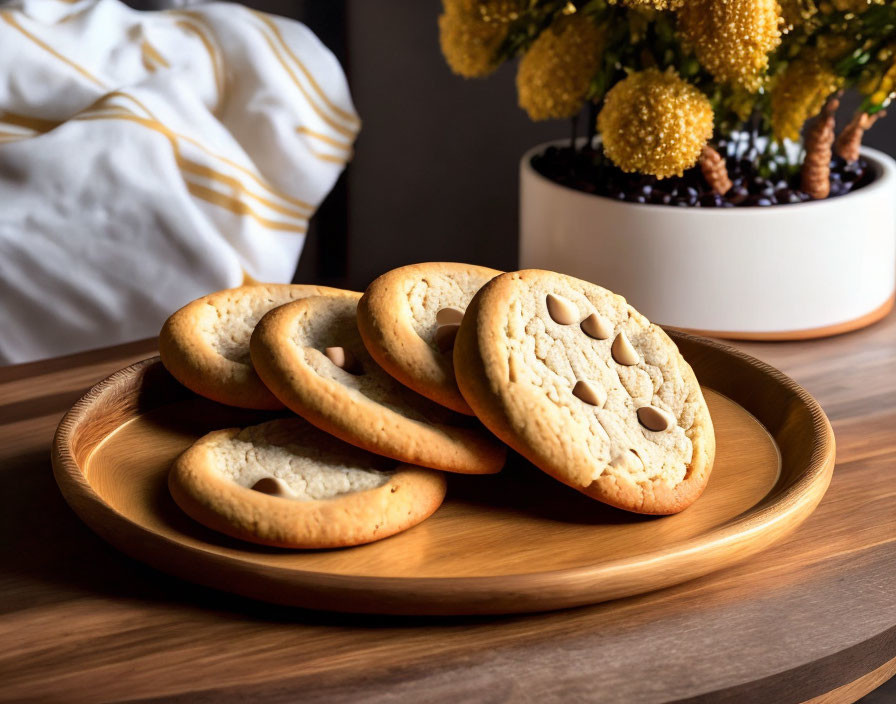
(343,359)
(590,393)
(273,487)
(655,419)
(562,310)
(596,327)
(449,316)
(623,352)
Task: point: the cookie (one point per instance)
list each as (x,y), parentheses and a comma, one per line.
(288,484)
(205,345)
(576,380)
(310,354)
(408,318)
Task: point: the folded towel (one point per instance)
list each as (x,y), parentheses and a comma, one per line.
(148,158)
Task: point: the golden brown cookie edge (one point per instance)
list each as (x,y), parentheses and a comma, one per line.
(411,495)
(367,425)
(191,359)
(397,348)
(473,357)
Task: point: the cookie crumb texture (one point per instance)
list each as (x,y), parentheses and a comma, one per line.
(305,459)
(438,296)
(365,406)
(288,484)
(576,404)
(232,318)
(408,318)
(205,344)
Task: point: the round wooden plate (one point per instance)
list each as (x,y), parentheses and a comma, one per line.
(513,542)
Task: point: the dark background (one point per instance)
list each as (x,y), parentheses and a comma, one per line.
(435,170)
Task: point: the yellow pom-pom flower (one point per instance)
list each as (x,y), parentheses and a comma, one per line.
(554,74)
(655,123)
(732,38)
(799,93)
(471,32)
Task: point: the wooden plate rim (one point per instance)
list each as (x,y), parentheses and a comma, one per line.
(775,516)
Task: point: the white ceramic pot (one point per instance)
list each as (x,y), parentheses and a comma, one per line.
(779,272)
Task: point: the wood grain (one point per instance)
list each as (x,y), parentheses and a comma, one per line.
(537,539)
(811,614)
(858,688)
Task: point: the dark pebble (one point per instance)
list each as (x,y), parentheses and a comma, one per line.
(758,185)
(590,171)
(785,195)
(746,167)
(738,195)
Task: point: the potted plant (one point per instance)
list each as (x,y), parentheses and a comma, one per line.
(710,184)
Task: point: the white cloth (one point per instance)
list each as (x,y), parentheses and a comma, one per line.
(148,158)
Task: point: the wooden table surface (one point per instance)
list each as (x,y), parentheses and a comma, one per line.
(813,615)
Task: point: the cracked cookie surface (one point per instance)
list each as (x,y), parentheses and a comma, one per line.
(205,344)
(288,484)
(293,349)
(408,318)
(585,387)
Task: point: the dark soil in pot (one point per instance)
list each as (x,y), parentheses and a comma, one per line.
(757,181)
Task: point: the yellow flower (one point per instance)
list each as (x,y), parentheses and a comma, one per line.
(732,38)
(554,74)
(834,46)
(654,4)
(795,12)
(470,35)
(500,11)
(885,90)
(856,6)
(655,123)
(742,103)
(799,93)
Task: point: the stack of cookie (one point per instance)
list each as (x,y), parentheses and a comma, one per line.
(436,368)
